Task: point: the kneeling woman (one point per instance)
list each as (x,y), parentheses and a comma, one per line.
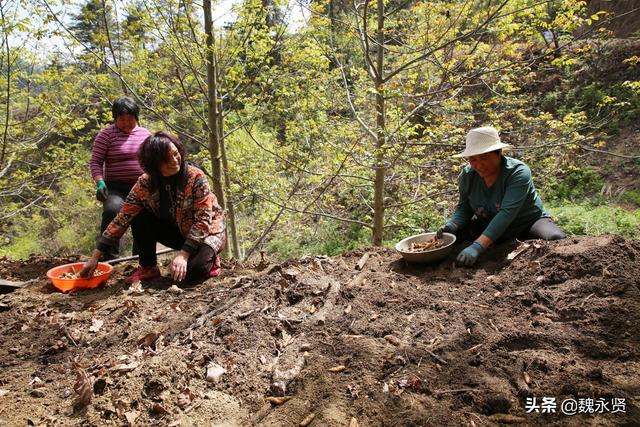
(176,208)
(498,200)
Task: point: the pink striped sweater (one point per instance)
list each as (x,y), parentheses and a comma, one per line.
(114,155)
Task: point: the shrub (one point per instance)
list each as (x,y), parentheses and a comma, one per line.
(632,196)
(574,186)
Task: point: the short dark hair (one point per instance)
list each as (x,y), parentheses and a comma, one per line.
(125,105)
(155,150)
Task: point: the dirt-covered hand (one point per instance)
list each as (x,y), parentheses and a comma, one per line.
(88,268)
(101,191)
(469,255)
(179,267)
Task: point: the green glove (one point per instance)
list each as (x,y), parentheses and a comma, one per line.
(470,255)
(101,191)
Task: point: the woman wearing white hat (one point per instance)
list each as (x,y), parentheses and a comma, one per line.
(498,200)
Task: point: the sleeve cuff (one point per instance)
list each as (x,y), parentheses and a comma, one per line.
(104,244)
(190,247)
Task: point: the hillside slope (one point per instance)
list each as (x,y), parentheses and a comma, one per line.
(419,345)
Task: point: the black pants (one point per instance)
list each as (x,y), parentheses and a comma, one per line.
(118,192)
(543,228)
(153,230)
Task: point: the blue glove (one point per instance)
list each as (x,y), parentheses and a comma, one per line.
(469,255)
(101,191)
(447,228)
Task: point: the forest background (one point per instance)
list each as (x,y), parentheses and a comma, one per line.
(329,134)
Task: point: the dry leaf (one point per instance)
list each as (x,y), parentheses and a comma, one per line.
(83,387)
(130,306)
(286,339)
(158,409)
(214,372)
(523,247)
(125,367)
(36,382)
(338,368)
(121,407)
(348,309)
(354,422)
(135,288)
(185,398)
(149,339)
(3,392)
(131,417)
(175,290)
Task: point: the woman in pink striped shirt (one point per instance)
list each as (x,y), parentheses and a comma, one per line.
(114,162)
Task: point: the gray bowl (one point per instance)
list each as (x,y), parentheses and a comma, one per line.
(429,256)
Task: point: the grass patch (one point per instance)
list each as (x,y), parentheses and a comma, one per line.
(586,219)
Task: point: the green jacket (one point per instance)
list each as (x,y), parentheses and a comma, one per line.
(510,206)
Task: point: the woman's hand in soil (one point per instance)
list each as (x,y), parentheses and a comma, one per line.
(89,267)
(179,266)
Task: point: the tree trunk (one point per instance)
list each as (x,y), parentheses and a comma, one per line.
(7,112)
(231,213)
(213,111)
(378,202)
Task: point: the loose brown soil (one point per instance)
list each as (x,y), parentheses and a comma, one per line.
(411,345)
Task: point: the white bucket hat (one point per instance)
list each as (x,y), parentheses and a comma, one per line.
(482,140)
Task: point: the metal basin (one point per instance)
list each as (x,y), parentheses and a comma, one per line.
(428,256)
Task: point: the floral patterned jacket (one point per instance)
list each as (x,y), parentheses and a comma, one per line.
(198,214)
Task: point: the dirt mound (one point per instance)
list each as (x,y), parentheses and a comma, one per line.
(384,344)
(35,266)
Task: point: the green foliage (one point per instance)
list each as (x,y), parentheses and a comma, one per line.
(585,219)
(77,218)
(66,221)
(323,237)
(632,196)
(24,237)
(300,115)
(575,185)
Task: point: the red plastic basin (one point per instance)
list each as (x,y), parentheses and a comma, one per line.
(67,285)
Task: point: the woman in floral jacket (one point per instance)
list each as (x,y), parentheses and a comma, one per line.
(175,207)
